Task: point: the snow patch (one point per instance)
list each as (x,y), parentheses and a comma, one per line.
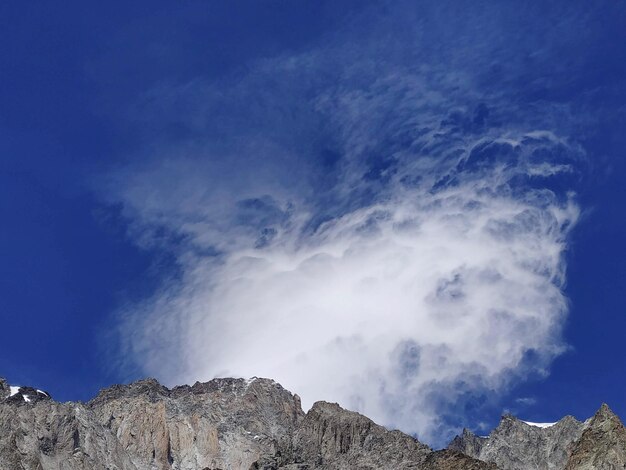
(15,389)
(539,425)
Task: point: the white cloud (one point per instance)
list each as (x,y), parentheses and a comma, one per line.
(378,307)
(393,289)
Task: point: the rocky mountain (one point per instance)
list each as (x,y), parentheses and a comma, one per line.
(599,443)
(257,424)
(602,445)
(221,424)
(517,445)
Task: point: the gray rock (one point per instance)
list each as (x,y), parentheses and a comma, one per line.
(516,445)
(448,459)
(224,423)
(42,435)
(330,437)
(599,444)
(221,424)
(257,424)
(602,445)
(5,389)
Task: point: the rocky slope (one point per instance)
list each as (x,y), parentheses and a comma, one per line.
(221,424)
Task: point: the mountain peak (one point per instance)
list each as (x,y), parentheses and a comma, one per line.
(602,444)
(21,394)
(605,412)
(516,444)
(148,387)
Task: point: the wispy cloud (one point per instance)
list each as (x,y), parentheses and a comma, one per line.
(362,227)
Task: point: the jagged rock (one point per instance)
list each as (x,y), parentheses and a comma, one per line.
(597,444)
(18,394)
(602,445)
(5,389)
(27,394)
(221,424)
(516,445)
(224,423)
(44,434)
(256,424)
(330,437)
(468,443)
(453,460)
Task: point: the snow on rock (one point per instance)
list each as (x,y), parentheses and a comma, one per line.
(28,394)
(539,425)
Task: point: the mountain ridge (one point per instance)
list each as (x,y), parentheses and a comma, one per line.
(597,443)
(253,424)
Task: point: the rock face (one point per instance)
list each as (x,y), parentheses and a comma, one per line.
(225,423)
(330,437)
(222,424)
(602,445)
(597,444)
(45,435)
(516,445)
(258,425)
(5,389)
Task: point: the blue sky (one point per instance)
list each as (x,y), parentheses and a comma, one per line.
(421,202)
